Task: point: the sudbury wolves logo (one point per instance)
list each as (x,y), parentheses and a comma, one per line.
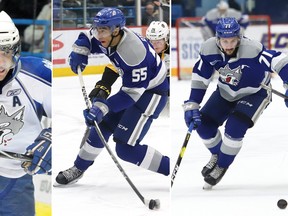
(10,124)
(230,76)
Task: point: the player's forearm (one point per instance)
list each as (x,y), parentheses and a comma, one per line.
(109,76)
(197,95)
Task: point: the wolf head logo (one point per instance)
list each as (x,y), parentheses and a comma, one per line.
(10,124)
(230,76)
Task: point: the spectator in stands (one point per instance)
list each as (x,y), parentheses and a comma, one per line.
(165,6)
(110,3)
(22,9)
(212,17)
(34,34)
(95,3)
(71,3)
(150,14)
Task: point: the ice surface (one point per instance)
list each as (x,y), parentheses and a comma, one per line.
(254,183)
(256,180)
(102,190)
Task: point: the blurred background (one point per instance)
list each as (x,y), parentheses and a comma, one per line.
(79,13)
(276,9)
(33,20)
(267,23)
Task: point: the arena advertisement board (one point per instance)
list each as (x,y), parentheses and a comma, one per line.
(62,47)
(190,43)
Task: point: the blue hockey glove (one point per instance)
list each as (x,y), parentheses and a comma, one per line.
(79,55)
(41,152)
(96,112)
(77,60)
(192,113)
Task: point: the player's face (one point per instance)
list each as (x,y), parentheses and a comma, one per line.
(104,35)
(159,45)
(229,44)
(6,63)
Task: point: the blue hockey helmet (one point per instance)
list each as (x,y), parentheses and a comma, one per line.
(227,27)
(109,17)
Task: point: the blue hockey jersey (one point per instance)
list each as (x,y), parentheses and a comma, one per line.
(137,63)
(25,97)
(239,76)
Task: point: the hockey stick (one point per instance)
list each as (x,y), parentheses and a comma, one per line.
(274,91)
(85,136)
(181,154)
(151,204)
(15,156)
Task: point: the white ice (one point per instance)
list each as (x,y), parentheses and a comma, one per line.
(253,184)
(256,180)
(102,190)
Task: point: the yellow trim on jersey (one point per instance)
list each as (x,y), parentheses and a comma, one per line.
(43,209)
(62,72)
(111,66)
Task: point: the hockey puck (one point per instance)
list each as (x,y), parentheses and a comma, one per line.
(282,203)
(154,204)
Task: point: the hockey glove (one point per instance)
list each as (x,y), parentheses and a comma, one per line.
(96,112)
(41,152)
(79,55)
(101,90)
(192,113)
(286,87)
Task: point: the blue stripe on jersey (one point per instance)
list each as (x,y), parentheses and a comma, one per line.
(37,68)
(29,97)
(39,78)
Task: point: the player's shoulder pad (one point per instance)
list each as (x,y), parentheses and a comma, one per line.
(38,68)
(231,12)
(131,48)
(209,47)
(249,48)
(212,14)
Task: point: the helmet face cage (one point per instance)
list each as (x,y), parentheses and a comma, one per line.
(227,27)
(109,17)
(157,30)
(9,48)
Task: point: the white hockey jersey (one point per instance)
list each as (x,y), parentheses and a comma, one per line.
(25,97)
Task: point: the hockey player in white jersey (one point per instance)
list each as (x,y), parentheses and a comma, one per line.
(222,10)
(239,99)
(25,97)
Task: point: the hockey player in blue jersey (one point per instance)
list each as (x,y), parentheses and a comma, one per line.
(25,97)
(239,100)
(128,114)
(222,10)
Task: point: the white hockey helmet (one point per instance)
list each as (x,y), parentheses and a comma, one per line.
(222,5)
(157,30)
(9,35)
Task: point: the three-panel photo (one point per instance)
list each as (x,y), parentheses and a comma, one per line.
(140,107)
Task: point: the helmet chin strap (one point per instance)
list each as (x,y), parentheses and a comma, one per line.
(109,45)
(113,37)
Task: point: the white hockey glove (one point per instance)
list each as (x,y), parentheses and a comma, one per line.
(41,152)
